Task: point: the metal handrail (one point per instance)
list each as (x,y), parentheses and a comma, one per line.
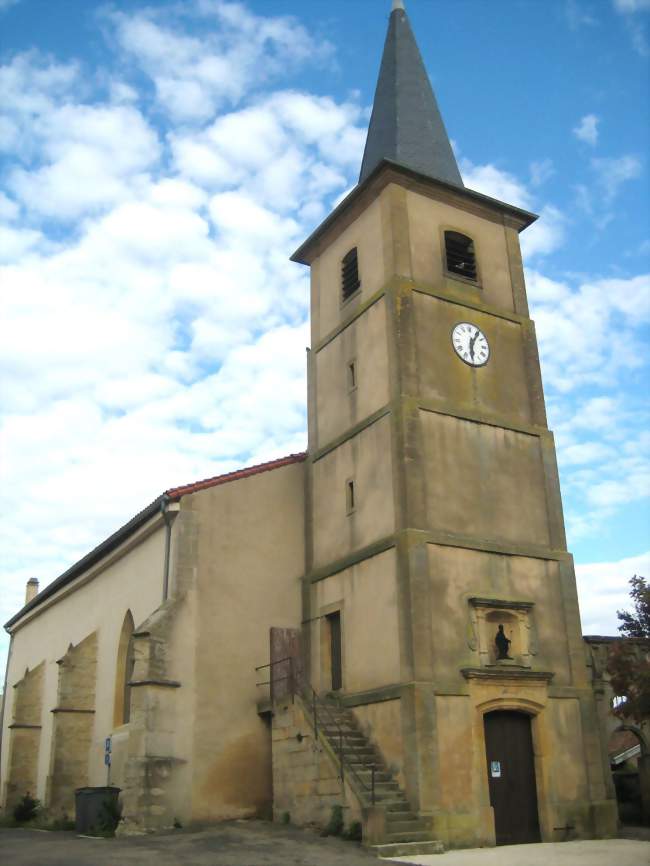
(299,685)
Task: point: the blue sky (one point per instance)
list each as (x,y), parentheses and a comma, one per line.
(161,161)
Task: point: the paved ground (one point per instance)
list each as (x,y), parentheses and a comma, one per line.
(257,843)
(606,852)
(249,843)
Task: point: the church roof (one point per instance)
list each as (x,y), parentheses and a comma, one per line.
(175,493)
(113,541)
(406,126)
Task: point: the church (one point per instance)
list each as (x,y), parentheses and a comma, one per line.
(387,623)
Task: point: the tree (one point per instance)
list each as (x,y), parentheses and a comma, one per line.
(629,659)
(637,624)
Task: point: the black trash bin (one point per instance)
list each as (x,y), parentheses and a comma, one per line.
(95,809)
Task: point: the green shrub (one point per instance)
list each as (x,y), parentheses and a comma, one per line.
(27,809)
(353,832)
(63,823)
(286,818)
(335,824)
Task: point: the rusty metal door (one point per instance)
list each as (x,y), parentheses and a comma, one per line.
(511,776)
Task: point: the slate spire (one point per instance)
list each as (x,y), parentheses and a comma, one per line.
(406,126)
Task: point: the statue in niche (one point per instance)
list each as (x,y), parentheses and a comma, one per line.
(502,644)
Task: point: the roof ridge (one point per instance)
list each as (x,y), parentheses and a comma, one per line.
(235,475)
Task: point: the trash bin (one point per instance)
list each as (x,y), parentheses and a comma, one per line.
(95,809)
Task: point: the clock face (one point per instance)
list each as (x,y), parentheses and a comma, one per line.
(470,344)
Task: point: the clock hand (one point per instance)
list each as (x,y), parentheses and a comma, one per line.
(471,344)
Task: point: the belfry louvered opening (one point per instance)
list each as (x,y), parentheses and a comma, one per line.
(350,281)
(459,252)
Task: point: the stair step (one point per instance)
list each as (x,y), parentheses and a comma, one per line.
(391,796)
(408,827)
(399,807)
(380,776)
(405,849)
(335,736)
(415,836)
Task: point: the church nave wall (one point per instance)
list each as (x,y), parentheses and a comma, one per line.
(95,603)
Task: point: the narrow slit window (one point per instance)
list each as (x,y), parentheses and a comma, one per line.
(350,281)
(352,376)
(349,491)
(459,253)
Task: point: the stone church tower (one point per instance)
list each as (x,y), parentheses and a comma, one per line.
(428,675)
(439,598)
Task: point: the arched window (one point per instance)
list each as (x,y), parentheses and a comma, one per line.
(350,281)
(459,255)
(123,673)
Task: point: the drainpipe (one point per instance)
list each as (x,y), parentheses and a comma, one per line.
(169,510)
(4,698)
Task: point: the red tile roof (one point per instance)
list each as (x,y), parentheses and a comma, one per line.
(177,492)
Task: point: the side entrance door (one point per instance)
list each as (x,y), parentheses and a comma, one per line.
(511,776)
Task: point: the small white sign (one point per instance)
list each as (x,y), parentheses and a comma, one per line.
(495,769)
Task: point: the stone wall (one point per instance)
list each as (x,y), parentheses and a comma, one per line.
(74,718)
(25,736)
(306,781)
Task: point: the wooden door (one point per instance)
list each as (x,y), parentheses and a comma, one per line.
(511,776)
(334,622)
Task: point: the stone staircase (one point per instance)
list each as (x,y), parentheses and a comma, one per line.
(405,831)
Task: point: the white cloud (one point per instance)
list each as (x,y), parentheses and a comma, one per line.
(591,332)
(577,15)
(587,129)
(547,233)
(603,450)
(95,156)
(286,147)
(31,86)
(541,171)
(630,6)
(194,77)
(613,172)
(604,588)
(496,183)
(635,26)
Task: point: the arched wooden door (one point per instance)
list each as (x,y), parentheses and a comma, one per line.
(511,777)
